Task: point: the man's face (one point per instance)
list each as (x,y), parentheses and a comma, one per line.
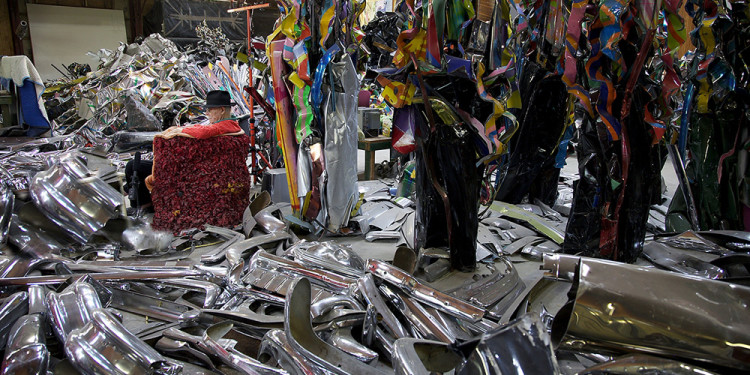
(215,114)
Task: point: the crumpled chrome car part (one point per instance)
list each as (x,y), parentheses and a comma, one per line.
(236,251)
(301,337)
(330,256)
(181,349)
(27,352)
(105,347)
(495,291)
(123,275)
(375,235)
(520,347)
(370,293)
(422,322)
(32,242)
(677,315)
(69,196)
(270,223)
(325,305)
(275,350)
(680,261)
(645,364)
(325,279)
(413,356)
(211,343)
(217,254)
(343,340)
(246,321)
(146,305)
(13,307)
(693,241)
(7,201)
(72,309)
(429,296)
(535,221)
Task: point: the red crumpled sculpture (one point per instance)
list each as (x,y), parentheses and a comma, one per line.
(200,181)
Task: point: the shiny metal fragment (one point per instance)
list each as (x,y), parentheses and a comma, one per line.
(72,309)
(301,337)
(413,356)
(634,308)
(7,201)
(237,251)
(535,221)
(275,350)
(423,293)
(370,293)
(330,256)
(680,261)
(104,347)
(268,221)
(645,364)
(212,344)
(520,347)
(422,322)
(26,352)
(76,201)
(124,275)
(382,235)
(263,261)
(13,308)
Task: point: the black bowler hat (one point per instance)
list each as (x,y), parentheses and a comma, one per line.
(218,98)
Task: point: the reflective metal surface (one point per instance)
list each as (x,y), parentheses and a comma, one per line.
(27,352)
(423,293)
(72,309)
(7,201)
(522,346)
(104,346)
(76,201)
(341,142)
(628,307)
(424,357)
(645,364)
(302,338)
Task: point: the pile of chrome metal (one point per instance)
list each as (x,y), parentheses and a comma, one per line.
(143,87)
(88,290)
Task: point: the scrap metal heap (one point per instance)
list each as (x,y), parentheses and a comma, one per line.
(89,289)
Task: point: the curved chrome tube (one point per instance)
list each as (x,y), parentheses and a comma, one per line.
(72,309)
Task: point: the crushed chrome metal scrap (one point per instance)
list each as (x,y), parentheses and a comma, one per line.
(143,87)
(89,290)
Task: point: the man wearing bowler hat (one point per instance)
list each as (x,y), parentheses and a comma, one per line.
(219,112)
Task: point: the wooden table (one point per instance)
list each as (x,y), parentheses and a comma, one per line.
(370,145)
